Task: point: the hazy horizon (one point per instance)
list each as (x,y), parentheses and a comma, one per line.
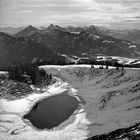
(115,14)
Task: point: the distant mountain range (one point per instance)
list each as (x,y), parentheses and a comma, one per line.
(90,41)
(132,35)
(53,42)
(11,30)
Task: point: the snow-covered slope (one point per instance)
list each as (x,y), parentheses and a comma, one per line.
(112,99)
(112,96)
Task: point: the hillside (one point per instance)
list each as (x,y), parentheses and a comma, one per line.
(132,35)
(23,50)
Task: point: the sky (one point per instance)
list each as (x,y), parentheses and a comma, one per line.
(109,13)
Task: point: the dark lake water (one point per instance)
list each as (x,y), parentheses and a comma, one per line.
(52,111)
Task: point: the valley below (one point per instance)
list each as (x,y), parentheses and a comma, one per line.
(110,100)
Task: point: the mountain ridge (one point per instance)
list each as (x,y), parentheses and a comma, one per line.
(28,31)
(91,41)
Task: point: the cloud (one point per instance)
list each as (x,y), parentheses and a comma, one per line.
(69,12)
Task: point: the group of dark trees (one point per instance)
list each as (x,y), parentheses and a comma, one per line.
(95,62)
(29,73)
(107,64)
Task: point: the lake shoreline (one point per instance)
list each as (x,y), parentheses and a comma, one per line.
(71,92)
